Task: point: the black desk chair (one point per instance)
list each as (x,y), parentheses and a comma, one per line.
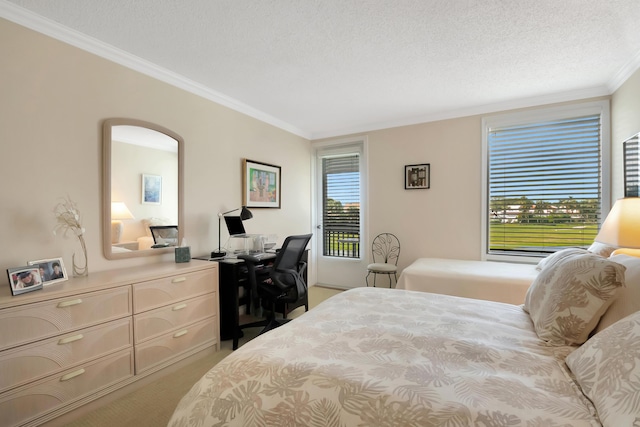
(281,284)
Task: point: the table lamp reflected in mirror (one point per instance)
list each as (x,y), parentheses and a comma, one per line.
(119,212)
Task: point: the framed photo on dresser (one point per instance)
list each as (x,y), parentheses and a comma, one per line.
(51,270)
(24,279)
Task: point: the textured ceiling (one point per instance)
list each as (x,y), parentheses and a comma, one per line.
(329,67)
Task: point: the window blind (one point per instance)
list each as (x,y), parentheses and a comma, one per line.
(341,205)
(631,163)
(545,183)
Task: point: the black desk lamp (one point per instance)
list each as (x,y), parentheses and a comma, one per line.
(244,215)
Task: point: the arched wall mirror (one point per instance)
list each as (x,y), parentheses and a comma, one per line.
(142,189)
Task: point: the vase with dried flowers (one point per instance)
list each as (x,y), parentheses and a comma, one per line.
(69,221)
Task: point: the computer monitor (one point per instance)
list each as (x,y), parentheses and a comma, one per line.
(234,225)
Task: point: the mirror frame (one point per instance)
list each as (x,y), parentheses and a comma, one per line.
(106,187)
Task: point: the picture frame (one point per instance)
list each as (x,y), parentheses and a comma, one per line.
(151,189)
(261,185)
(417,177)
(24,279)
(51,270)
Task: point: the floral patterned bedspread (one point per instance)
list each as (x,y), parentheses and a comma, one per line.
(389,357)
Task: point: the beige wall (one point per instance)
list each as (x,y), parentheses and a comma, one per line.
(128,163)
(625,122)
(54,98)
(444,221)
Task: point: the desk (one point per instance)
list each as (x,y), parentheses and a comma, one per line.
(232,277)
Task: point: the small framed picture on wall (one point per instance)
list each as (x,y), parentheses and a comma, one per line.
(417,176)
(151,189)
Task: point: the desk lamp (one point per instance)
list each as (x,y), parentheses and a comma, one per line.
(621,228)
(119,211)
(244,215)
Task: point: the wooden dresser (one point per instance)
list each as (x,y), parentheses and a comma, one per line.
(75,341)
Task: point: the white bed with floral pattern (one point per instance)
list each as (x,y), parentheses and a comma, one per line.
(372,356)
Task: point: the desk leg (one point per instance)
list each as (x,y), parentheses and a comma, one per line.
(229,303)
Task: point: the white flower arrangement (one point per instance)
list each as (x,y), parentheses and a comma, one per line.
(68,220)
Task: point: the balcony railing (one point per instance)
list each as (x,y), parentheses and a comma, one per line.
(341,241)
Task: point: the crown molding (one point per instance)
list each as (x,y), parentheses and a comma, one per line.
(57,31)
(624,73)
(534,101)
(74,38)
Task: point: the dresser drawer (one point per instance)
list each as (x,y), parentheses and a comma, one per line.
(154,323)
(34,361)
(157,293)
(158,350)
(23,324)
(31,401)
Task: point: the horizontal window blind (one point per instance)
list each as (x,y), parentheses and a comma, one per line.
(631,163)
(341,205)
(544,185)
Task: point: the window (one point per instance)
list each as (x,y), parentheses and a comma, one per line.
(631,163)
(341,205)
(545,173)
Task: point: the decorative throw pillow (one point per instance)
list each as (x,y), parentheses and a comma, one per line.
(566,300)
(627,299)
(150,222)
(607,367)
(555,257)
(601,249)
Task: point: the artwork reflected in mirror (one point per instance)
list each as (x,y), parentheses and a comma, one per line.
(631,163)
(142,187)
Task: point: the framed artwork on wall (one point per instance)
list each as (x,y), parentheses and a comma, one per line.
(260,185)
(151,189)
(417,176)
(51,270)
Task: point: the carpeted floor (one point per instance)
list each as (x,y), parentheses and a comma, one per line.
(152,405)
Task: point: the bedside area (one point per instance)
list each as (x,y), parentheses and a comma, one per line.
(76,341)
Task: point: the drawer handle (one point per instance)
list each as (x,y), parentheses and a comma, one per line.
(179,280)
(70,339)
(181,333)
(70,303)
(179,307)
(72,374)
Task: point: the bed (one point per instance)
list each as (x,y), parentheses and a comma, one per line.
(489,280)
(374,356)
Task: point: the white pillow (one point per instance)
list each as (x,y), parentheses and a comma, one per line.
(627,299)
(568,298)
(607,368)
(601,249)
(148,222)
(558,256)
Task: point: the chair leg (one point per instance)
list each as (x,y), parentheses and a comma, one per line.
(367,278)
